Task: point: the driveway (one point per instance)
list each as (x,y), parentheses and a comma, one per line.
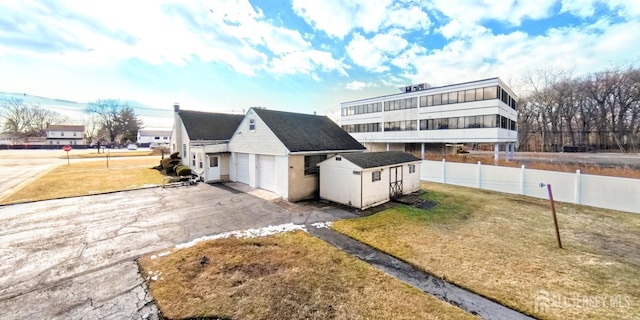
(75,258)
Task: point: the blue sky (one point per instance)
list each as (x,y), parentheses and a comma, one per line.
(302,56)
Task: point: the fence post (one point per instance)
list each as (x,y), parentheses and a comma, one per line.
(578,188)
(479,175)
(523,183)
(444,171)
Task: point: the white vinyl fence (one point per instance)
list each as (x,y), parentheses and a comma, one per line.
(597,191)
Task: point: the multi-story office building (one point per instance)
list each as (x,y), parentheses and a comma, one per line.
(435,119)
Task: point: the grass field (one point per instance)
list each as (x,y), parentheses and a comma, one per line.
(90,177)
(503,247)
(285,276)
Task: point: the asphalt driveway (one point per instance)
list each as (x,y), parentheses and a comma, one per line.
(75,258)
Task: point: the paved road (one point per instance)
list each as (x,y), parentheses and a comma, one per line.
(75,258)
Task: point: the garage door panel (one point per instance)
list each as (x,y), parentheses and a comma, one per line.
(266,172)
(242,160)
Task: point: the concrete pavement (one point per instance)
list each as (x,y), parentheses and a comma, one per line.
(75,258)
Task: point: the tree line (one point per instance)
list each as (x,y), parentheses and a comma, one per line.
(105,121)
(596,111)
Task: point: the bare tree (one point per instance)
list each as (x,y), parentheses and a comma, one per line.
(22,121)
(115,118)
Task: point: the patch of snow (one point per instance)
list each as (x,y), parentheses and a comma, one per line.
(248,233)
(319,225)
(162,254)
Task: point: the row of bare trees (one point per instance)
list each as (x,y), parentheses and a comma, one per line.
(597,111)
(21,121)
(106,120)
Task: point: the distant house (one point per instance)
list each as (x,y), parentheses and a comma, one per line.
(273,150)
(152,138)
(65,135)
(364,180)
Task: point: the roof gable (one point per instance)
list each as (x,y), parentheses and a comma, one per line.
(209,126)
(366,160)
(303,132)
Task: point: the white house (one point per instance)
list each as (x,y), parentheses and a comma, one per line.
(202,138)
(279,151)
(273,150)
(152,138)
(65,135)
(364,180)
(432,118)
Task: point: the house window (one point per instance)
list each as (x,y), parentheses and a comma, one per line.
(213,162)
(62,134)
(310,163)
(184,150)
(156,138)
(412,168)
(375,176)
(193,159)
(74,134)
(200,161)
(338,159)
(252,125)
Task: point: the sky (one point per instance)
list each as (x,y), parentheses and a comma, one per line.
(297,55)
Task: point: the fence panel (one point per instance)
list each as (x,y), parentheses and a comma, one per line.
(598,191)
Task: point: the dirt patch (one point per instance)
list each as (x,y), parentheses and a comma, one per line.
(426,205)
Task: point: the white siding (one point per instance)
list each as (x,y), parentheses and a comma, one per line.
(375,192)
(258,141)
(338,183)
(411,181)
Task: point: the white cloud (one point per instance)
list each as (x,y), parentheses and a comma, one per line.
(373,54)
(232,32)
(581,8)
(358,85)
(305,62)
(510,56)
(408,18)
(338,17)
(511,11)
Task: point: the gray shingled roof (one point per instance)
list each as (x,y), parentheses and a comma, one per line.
(305,132)
(210,126)
(378,159)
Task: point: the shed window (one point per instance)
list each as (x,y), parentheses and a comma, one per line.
(412,168)
(375,176)
(310,163)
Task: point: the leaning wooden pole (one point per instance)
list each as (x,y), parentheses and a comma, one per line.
(555,219)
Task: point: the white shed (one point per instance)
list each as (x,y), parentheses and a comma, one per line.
(364,180)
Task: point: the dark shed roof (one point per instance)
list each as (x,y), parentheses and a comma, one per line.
(379,159)
(210,126)
(304,132)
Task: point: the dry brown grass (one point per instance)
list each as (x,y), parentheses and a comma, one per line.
(286,276)
(89,177)
(111,154)
(624,172)
(503,247)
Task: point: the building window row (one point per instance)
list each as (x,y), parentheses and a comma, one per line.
(363,108)
(408,125)
(478,94)
(363,127)
(401,104)
(470,122)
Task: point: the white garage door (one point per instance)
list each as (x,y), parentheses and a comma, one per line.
(242,160)
(266,172)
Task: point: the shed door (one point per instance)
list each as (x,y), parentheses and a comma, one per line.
(266,172)
(395,182)
(242,163)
